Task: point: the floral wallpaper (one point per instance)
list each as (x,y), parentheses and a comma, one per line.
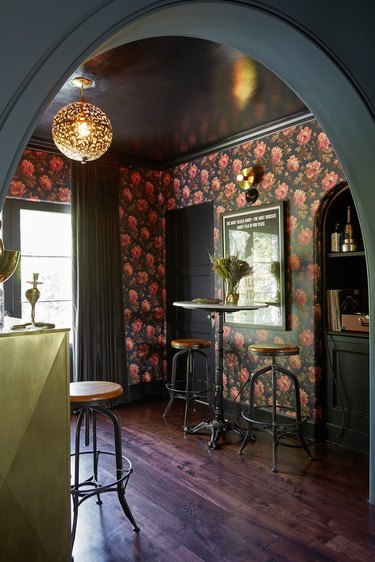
(300,167)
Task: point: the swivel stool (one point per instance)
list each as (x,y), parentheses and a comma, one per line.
(88,399)
(187,386)
(277,428)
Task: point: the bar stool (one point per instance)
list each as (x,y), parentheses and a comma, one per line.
(186,388)
(90,398)
(277,430)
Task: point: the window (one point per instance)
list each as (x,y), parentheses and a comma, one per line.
(42,232)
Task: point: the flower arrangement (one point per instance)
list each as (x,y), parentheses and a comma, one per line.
(232,270)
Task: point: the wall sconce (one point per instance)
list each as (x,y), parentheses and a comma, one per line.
(246,178)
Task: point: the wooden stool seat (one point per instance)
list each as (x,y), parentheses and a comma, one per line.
(274,349)
(94,391)
(191,344)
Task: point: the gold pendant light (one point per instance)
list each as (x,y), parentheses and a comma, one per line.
(81,130)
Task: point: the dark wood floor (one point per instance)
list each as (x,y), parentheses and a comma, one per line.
(193,504)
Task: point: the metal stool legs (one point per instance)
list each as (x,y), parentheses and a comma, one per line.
(277,430)
(90,487)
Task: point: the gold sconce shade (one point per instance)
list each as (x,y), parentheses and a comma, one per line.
(81,130)
(8,264)
(245,178)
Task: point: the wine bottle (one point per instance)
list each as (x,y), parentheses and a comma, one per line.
(336,239)
(348,232)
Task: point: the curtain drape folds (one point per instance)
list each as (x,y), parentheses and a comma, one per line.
(98,311)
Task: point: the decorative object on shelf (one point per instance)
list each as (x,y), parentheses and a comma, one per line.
(232,270)
(349,244)
(81,130)
(32,296)
(8,262)
(336,239)
(246,178)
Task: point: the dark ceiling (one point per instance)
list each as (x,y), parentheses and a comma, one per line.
(174,98)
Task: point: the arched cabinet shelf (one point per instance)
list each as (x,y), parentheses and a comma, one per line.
(345,325)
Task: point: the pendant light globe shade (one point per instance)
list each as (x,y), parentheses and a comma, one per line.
(81,131)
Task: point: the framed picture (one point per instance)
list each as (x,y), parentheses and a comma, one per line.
(256,235)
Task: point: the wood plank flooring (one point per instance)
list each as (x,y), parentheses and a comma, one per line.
(194,504)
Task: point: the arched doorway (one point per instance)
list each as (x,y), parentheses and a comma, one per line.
(275,42)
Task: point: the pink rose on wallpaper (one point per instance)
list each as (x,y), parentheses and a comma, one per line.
(145,233)
(304,237)
(294,322)
(260,150)
(198,197)
(283,383)
(317,312)
(304,398)
(215,184)
(291,223)
(133,370)
(192,171)
(223,162)
(121,212)
(133,296)
(299,197)
(294,262)
(150,260)
(166,181)
(142,277)
(226,331)
(158,242)
(288,133)
(306,337)
(323,141)
(159,312)
(153,217)
(313,271)
(233,393)
(136,251)
(127,269)
(132,222)
(186,192)
(220,209)
(127,314)
(135,178)
(239,339)
(162,341)
(300,297)
(303,136)
(129,344)
(314,207)
(216,234)
(127,195)
(56,164)
(231,360)
(329,180)
(254,358)
(142,205)
(243,375)
(229,190)
(241,200)
(154,359)
(171,203)
(45,183)
(145,306)
(64,194)
(267,181)
(278,339)
(161,270)
(150,331)
(276,154)
(259,388)
(281,191)
(154,288)
(146,377)
(17,188)
(27,168)
(292,164)
(236,166)
(137,325)
(125,240)
(295,362)
(313,169)
(262,335)
(176,185)
(183,166)
(204,175)
(314,373)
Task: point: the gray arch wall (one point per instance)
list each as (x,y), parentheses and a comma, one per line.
(305,46)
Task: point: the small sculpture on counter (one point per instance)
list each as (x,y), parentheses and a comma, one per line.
(32,296)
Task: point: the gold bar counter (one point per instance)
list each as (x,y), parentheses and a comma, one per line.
(34,445)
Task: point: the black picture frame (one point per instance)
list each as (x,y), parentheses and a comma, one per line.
(256,234)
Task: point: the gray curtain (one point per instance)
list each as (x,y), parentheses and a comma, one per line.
(98,310)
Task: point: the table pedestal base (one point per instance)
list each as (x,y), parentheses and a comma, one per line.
(218,429)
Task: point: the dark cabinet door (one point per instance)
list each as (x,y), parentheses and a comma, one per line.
(189,273)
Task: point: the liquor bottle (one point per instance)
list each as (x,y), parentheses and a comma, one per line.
(348,232)
(336,239)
